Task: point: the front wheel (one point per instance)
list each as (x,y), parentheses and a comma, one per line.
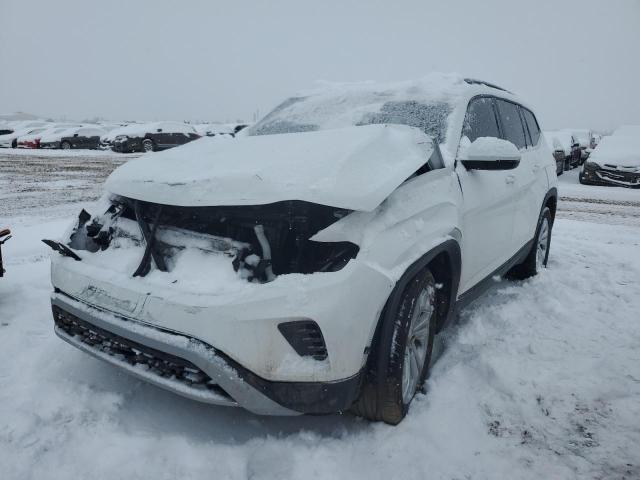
(539,254)
(399,358)
(147,145)
(65,146)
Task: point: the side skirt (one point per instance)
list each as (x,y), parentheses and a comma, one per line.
(483,285)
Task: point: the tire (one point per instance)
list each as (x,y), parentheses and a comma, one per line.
(148,145)
(401,352)
(14,144)
(65,146)
(539,255)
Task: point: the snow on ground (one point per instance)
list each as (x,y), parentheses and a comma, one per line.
(539,379)
(46,182)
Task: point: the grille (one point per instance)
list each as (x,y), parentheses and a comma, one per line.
(305,337)
(630,177)
(160,363)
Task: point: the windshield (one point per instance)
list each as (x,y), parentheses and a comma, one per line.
(431,118)
(425,103)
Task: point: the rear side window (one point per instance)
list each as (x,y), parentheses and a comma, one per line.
(512,127)
(480,120)
(532,123)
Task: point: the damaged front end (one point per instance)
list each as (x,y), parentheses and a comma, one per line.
(260,242)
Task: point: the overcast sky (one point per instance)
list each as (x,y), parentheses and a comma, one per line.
(576,61)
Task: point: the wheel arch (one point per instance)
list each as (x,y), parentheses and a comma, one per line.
(445,263)
(551,202)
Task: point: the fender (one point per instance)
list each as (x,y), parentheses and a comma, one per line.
(451,280)
(552,193)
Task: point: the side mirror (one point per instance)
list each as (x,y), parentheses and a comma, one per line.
(75,134)
(489,153)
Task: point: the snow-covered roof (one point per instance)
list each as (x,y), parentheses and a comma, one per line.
(618,149)
(216,128)
(354,168)
(140,129)
(560,138)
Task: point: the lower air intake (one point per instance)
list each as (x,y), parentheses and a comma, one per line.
(305,337)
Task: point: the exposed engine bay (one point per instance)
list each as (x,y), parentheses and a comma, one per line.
(261,241)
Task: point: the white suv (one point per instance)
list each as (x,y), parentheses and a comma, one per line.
(306,266)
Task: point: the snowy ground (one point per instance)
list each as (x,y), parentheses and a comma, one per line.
(540,379)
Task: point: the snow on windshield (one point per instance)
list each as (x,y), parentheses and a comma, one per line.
(425,104)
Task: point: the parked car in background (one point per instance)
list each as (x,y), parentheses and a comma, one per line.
(585,140)
(615,161)
(563,142)
(5,129)
(220,129)
(11,140)
(558,151)
(306,266)
(149,137)
(85,137)
(32,140)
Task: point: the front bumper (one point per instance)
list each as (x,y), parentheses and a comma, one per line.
(609,177)
(189,367)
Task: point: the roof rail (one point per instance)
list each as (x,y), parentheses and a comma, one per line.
(474,81)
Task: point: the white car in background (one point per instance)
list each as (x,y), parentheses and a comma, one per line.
(306,266)
(10,140)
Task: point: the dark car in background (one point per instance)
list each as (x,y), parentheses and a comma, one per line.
(615,161)
(75,137)
(565,147)
(149,137)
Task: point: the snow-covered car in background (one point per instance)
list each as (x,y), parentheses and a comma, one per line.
(5,128)
(564,142)
(85,137)
(615,161)
(149,137)
(220,129)
(558,151)
(11,140)
(32,140)
(306,266)
(585,142)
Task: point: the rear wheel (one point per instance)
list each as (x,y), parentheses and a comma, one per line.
(65,146)
(147,145)
(539,254)
(399,359)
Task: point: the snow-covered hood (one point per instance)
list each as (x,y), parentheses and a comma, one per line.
(354,168)
(619,151)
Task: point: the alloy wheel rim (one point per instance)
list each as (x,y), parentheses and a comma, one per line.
(417,346)
(542,244)
(147,146)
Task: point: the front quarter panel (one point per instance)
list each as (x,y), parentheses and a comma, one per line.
(421,214)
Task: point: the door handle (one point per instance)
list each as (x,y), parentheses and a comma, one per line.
(510,179)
